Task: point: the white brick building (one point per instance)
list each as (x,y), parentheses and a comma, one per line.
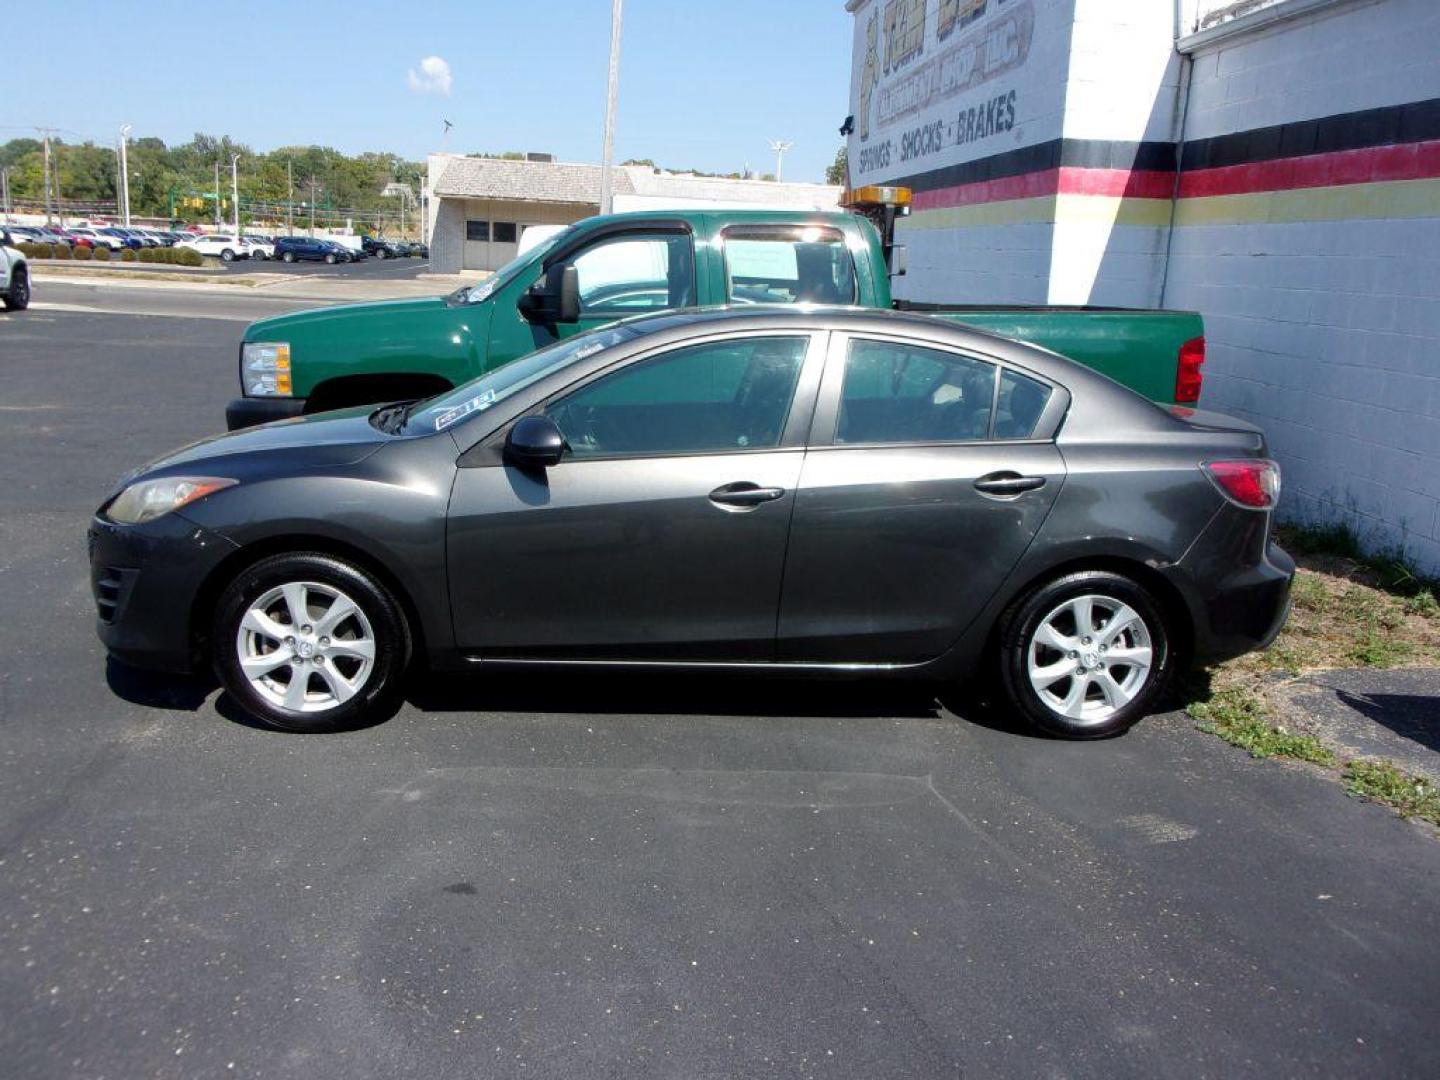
(1274,164)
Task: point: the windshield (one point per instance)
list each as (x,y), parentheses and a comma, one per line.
(480,394)
(474,294)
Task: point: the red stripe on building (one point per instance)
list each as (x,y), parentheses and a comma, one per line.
(1406,161)
(1026,186)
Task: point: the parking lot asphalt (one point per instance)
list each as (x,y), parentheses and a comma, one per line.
(632,876)
(370,268)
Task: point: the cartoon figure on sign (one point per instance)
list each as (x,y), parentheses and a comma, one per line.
(869,72)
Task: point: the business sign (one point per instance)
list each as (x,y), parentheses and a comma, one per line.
(938,82)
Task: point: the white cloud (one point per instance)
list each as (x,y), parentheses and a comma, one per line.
(433,77)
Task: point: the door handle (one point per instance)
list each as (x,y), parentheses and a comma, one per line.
(743,494)
(1007,484)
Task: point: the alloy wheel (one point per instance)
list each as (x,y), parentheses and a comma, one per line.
(1089,657)
(305,646)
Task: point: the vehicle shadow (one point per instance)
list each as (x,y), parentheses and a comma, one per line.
(703,694)
(1411,716)
(158,690)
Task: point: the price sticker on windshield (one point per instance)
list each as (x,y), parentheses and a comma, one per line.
(479,403)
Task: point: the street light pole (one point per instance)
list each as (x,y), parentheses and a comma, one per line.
(612,91)
(235,190)
(5,191)
(125,173)
(217,194)
(290,197)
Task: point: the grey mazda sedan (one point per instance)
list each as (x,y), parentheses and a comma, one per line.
(804,490)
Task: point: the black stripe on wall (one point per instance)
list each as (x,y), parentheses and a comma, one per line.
(1417,121)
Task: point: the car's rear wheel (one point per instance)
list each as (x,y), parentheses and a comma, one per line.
(308,642)
(288,257)
(18,296)
(330,259)
(380,253)
(1085,656)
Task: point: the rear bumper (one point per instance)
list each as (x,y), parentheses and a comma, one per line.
(145,579)
(1239,581)
(247,412)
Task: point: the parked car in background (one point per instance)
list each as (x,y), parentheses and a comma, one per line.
(381,249)
(161,238)
(90,237)
(260,247)
(419,249)
(939,502)
(14,273)
(303,249)
(356,253)
(340,251)
(120,238)
(223,246)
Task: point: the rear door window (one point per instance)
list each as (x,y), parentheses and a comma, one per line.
(897,392)
(781,264)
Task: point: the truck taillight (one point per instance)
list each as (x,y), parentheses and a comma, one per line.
(1253,483)
(1188,376)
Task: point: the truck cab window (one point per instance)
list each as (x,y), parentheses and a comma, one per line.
(630,274)
(788,265)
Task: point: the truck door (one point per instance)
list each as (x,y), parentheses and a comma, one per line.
(631,271)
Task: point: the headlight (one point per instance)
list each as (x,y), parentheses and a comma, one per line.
(148,499)
(265,368)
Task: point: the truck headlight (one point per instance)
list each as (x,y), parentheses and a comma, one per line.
(146,500)
(265,368)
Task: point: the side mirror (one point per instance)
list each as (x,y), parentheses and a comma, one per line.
(535,442)
(556,299)
(569,296)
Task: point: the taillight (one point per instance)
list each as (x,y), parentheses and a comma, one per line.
(1253,483)
(1188,376)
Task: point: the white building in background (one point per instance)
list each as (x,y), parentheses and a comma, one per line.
(480,206)
(1273,164)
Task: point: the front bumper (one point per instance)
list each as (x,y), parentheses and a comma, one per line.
(145,579)
(247,412)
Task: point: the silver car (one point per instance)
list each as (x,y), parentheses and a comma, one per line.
(808,490)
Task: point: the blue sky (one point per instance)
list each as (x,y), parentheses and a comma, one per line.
(703,83)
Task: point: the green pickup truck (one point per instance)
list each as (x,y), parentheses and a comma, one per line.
(611,267)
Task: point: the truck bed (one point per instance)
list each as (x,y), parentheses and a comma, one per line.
(1138,347)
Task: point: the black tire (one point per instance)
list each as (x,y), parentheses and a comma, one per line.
(288,257)
(330,259)
(375,698)
(18,298)
(227,255)
(1021,623)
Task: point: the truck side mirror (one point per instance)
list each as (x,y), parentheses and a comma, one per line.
(899,260)
(568,309)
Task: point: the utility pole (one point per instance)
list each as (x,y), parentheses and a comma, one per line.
(5,191)
(290,197)
(125,174)
(217,194)
(779,147)
(235,190)
(45,135)
(612,92)
(312,207)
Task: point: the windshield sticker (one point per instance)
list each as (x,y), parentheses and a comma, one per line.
(479,403)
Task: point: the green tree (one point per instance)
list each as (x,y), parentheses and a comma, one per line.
(838,172)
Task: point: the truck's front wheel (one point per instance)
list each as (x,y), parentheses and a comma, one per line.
(18,296)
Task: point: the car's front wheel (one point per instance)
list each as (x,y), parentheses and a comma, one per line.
(308,642)
(330,259)
(18,296)
(288,257)
(1085,656)
(227,255)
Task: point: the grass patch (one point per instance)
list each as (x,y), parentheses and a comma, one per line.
(1382,782)
(1238,716)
